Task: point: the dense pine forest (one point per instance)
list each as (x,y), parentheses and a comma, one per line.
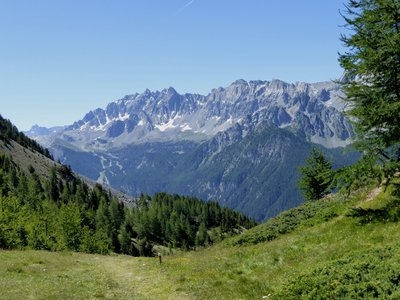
(61,211)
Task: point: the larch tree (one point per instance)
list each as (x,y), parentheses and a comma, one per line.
(372,78)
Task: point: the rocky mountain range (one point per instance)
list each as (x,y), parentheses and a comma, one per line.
(228,145)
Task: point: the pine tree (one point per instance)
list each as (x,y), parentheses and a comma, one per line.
(372,77)
(53,191)
(70,222)
(316,176)
(14,180)
(116,219)
(3,183)
(202,237)
(127,235)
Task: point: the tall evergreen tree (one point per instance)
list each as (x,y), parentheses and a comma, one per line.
(54,193)
(372,77)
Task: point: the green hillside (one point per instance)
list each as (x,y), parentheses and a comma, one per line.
(317,251)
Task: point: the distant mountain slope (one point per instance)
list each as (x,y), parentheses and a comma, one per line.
(261,167)
(240,145)
(256,174)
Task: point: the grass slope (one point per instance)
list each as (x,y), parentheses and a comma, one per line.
(324,253)
(66,275)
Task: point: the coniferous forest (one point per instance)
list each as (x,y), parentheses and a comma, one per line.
(62,211)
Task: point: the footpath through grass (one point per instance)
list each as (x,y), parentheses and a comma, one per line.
(66,275)
(319,249)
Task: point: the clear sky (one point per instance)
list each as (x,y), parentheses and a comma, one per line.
(62,58)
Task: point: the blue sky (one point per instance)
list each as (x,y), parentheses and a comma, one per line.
(60,59)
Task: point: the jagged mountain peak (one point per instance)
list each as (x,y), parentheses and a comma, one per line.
(170,91)
(314,109)
(240,82)
(277,84)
